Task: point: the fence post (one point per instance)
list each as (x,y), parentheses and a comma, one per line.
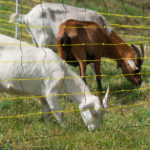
(16,33)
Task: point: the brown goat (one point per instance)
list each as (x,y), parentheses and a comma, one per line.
(78,32)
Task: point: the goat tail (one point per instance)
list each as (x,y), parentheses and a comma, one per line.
(64,48)
(16,17)
(65,42)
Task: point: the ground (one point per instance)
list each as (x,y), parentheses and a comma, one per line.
(126,124)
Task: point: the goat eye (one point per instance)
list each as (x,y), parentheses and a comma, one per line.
(137,71)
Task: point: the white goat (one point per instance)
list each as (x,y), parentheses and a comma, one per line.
(53,73)
(50,16)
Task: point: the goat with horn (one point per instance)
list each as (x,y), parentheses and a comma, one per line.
(129,59)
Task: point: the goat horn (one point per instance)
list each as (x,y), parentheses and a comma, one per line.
(143,49)
(106,98)
(137,50)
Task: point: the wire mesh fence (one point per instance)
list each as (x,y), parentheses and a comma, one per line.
(132,26)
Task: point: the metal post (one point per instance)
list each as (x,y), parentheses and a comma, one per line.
(16,34)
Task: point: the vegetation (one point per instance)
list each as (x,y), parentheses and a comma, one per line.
(122,128)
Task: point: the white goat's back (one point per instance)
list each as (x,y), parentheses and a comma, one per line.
(19,60)
(51,15)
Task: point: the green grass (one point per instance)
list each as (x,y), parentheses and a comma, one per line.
(124,128)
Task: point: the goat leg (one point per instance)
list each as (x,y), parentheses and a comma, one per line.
(98,75)
(45,109)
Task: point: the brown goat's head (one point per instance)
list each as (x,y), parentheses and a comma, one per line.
(132,67)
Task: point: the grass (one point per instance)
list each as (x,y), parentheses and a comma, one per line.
(123,128)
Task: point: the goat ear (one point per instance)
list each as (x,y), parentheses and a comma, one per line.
(131,63)
(105,99)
